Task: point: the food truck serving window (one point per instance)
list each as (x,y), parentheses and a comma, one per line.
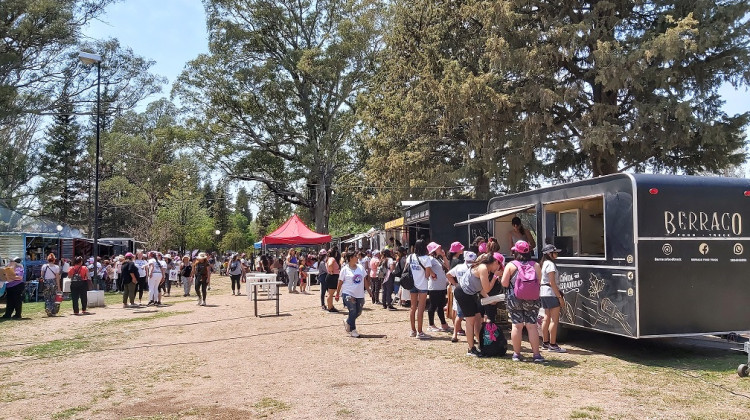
(576,227)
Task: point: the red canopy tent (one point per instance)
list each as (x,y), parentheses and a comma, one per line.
(294,232)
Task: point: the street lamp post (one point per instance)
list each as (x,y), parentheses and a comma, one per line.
(59,243)
(89,59)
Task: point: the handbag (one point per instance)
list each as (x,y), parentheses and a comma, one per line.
(407,277)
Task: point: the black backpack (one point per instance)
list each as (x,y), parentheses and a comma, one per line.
(186,270)
(407,278)
(492,342)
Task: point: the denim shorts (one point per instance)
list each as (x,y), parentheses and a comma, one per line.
(415,290)
(459,312)
(550,302)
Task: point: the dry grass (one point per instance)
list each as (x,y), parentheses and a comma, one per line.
(153,365)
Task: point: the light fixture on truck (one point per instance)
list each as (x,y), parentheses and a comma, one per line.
(747,193)
(653,191)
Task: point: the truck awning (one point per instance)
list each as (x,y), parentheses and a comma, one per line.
(494,215)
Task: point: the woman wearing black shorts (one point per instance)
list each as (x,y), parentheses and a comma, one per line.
(333,266)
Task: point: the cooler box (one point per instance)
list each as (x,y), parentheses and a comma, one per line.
(95,298)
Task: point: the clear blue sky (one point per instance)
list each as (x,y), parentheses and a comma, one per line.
(170,32)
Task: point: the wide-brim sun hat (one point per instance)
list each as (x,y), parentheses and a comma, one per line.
(323,252)
(456,247)
(432,247)
(375,253)
(202,256)
(549,248)
(522,247)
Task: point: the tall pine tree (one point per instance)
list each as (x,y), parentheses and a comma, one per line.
(242,204)
(62,190)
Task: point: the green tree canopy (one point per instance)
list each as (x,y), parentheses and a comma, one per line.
(473,96)
(278,89)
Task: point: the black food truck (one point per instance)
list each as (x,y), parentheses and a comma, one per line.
(642,255)
(434,221)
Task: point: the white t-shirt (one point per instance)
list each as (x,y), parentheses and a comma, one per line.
(440,282)
(157,269)
(420,279)
(546,290)
(353,281)
(141,265)
(388,270)
(50,272)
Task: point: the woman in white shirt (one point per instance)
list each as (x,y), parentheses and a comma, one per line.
(552,299)
(51,276)
(155,274)
(420,264)
(352,288)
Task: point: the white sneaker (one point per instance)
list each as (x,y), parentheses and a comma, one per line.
(347,327)
(203,303)
(354,334)
(200,302)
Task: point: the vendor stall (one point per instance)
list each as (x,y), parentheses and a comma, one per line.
(434,220)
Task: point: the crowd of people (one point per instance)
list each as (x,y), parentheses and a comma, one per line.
(468,275)
(421,279)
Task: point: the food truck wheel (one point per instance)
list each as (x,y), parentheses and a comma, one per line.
(743,370)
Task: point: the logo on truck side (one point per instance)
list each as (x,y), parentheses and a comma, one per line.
(686,222)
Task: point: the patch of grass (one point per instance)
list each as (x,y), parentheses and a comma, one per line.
(55,348)
(588,412)
(593,409)
(70,412)
(158,315)
(344,412)
(8,353)
(7,395)
(579,414)
(549,394)
(269,406)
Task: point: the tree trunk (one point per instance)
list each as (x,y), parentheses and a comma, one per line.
(603,158)
(482,186)
(322,202)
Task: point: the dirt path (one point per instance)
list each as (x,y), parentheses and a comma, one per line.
(219,361)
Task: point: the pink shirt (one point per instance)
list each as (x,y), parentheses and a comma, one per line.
(374,263)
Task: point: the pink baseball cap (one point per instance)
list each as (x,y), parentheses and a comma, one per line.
(522,247)
(432,247)
(456,247)
(483,247)
(129,255)
(500,258)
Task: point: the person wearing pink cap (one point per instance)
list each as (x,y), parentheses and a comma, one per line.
(437,288)
(523,312)
(456,272)
(490,311)
(455,250)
